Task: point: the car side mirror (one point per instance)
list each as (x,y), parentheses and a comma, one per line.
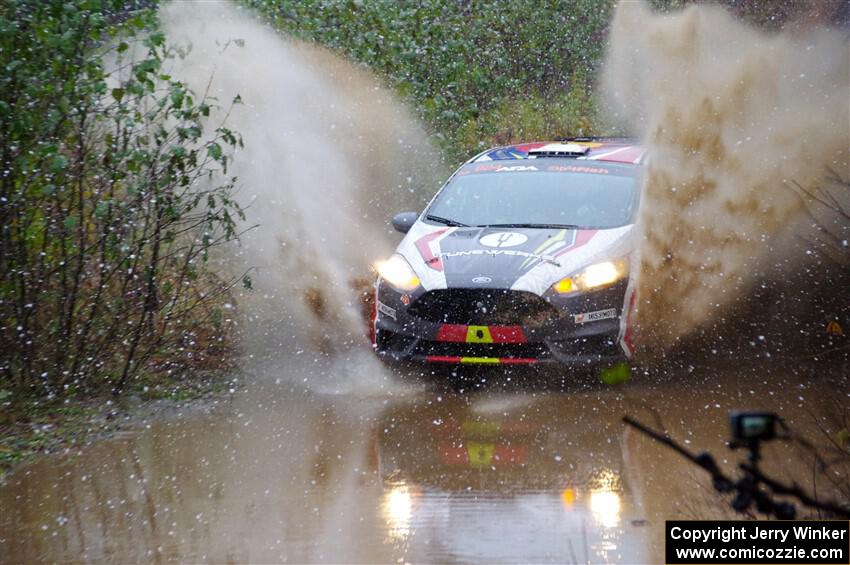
(404,221)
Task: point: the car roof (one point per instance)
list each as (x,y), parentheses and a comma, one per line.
(606,149)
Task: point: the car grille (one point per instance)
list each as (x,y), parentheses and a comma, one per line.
(502,350)
(484,307)
(600,345)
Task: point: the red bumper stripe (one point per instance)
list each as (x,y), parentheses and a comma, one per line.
(507,334)
(457,333)
(442,359)
(516,361)
(452,332)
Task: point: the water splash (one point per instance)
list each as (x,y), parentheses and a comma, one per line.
(732,119)
(329,155)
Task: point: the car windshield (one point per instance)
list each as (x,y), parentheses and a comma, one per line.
(582,196)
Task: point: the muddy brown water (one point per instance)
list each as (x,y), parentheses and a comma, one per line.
(406,473)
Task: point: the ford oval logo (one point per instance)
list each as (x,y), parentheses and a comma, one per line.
(482,280)
(503,239)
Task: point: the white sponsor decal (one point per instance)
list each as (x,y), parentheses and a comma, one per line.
(503,239)
(511,252)
(594,316)
(384,309)
(482,280)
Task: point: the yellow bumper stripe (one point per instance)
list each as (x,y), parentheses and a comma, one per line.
(479,360)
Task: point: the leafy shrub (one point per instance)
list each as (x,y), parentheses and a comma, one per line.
(478,72)
(111,198)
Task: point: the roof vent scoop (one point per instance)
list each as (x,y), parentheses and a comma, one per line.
(559,150)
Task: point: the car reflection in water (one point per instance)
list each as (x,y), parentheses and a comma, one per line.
(494,481)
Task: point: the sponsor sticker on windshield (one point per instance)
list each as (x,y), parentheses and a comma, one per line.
(577,169)
(594,316)
(498,168)
(554,168)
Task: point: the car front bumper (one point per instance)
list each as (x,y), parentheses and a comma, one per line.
(568,336)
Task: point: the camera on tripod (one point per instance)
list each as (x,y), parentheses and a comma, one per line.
(752,427)
(752,489)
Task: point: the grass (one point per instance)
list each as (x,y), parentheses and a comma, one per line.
(34,426)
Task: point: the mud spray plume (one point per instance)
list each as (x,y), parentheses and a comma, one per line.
(329,155)
(732,118)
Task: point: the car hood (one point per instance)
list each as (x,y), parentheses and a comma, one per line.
(530,259)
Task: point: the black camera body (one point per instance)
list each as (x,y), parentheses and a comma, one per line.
(751,427)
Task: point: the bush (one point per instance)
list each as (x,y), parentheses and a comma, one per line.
(471,69)
(111,198)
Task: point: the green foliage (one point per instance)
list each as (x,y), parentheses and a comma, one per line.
(37,427)
(472,69)
(618,374)
(842,438)
(109,200)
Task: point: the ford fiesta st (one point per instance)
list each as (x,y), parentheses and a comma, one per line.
(522,257)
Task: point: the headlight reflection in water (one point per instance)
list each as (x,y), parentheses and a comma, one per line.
(397,511)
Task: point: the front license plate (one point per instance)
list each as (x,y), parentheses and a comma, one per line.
(594,316)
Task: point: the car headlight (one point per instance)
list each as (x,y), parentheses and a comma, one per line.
(398,273)
(593,277)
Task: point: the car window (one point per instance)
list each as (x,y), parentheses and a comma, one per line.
(587,200)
